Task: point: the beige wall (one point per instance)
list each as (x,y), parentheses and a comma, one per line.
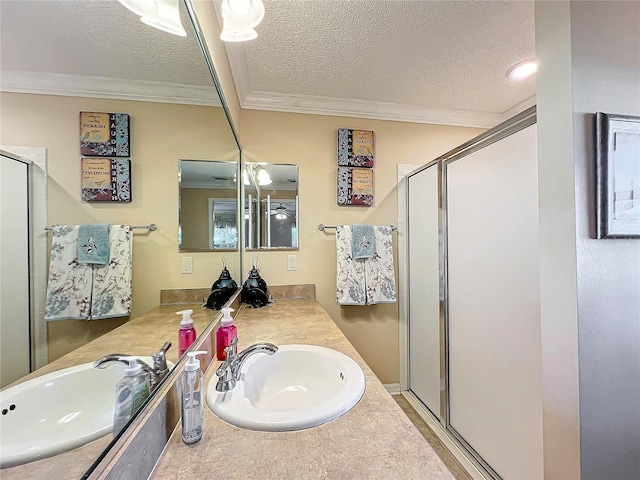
(178,131)
(194,214)
(160,135)
(311,142)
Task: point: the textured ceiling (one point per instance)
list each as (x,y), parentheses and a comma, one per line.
(439,54)
(393,59)
(97,38)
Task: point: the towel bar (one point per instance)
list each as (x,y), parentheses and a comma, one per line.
(322,227)
(152,227)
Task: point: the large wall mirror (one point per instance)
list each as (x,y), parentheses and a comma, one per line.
(62,57)
(271,213)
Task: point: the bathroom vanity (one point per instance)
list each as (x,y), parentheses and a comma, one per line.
(147,332)
(373,440)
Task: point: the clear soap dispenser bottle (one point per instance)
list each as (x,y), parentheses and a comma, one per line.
(225,334)
(186,334)
(131,392)
(191,384)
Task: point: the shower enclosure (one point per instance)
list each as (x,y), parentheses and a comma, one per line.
(473,313)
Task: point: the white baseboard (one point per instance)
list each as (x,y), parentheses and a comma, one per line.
(393,388)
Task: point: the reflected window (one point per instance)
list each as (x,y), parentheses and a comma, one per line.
(223,232)
(208,206)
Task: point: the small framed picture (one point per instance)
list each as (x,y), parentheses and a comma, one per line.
(355,148)
(106,179)
(617,176)
(104,134)
(355,186)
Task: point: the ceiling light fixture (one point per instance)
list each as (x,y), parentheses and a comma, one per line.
(240,17)
(263,177)
(140,7)
(161,14)
(245,177)
(523,69)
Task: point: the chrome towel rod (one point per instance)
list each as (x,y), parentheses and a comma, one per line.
(152,227)
(322,227)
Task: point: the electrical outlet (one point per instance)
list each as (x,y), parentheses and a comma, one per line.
(292,262)
(187,264)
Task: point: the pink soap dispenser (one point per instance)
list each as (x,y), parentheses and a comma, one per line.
(225,334)
(186,334)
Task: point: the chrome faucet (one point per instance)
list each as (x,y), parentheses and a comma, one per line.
(157,372)
(229,370)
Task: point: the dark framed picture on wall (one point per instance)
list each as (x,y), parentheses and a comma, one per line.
(106,179)
(617,176)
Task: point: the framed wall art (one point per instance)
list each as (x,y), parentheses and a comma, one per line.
(617,176)
(106,179)
(355,186)
(104,134)
(355,148)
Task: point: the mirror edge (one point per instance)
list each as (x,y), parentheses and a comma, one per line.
(112,454)
(108,458)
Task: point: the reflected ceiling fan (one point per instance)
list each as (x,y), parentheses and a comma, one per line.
(280,212)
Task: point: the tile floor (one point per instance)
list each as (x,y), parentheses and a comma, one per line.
(449,460)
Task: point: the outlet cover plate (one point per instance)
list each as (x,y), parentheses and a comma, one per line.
(292,263)
(187,264)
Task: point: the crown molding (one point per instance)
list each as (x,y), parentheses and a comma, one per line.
(340,107)
(41,83)
(521,107)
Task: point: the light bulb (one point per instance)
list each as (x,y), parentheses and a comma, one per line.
(239,19)
(263,177)
(240,7)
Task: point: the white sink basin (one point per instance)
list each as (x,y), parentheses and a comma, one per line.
(299,386)
(57,412)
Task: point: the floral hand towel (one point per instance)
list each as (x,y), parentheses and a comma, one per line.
(69,286)
(379,273)
(350,288)
(111,294)
(365,281)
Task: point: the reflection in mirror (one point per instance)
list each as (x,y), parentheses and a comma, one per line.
(62,57)
(270,206)
(207,206)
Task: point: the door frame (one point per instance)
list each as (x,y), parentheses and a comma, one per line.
(39,250)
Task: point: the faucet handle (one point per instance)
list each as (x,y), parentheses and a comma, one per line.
(232,349)
(225,370)
(226,381)
(160,360)
(165,347)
